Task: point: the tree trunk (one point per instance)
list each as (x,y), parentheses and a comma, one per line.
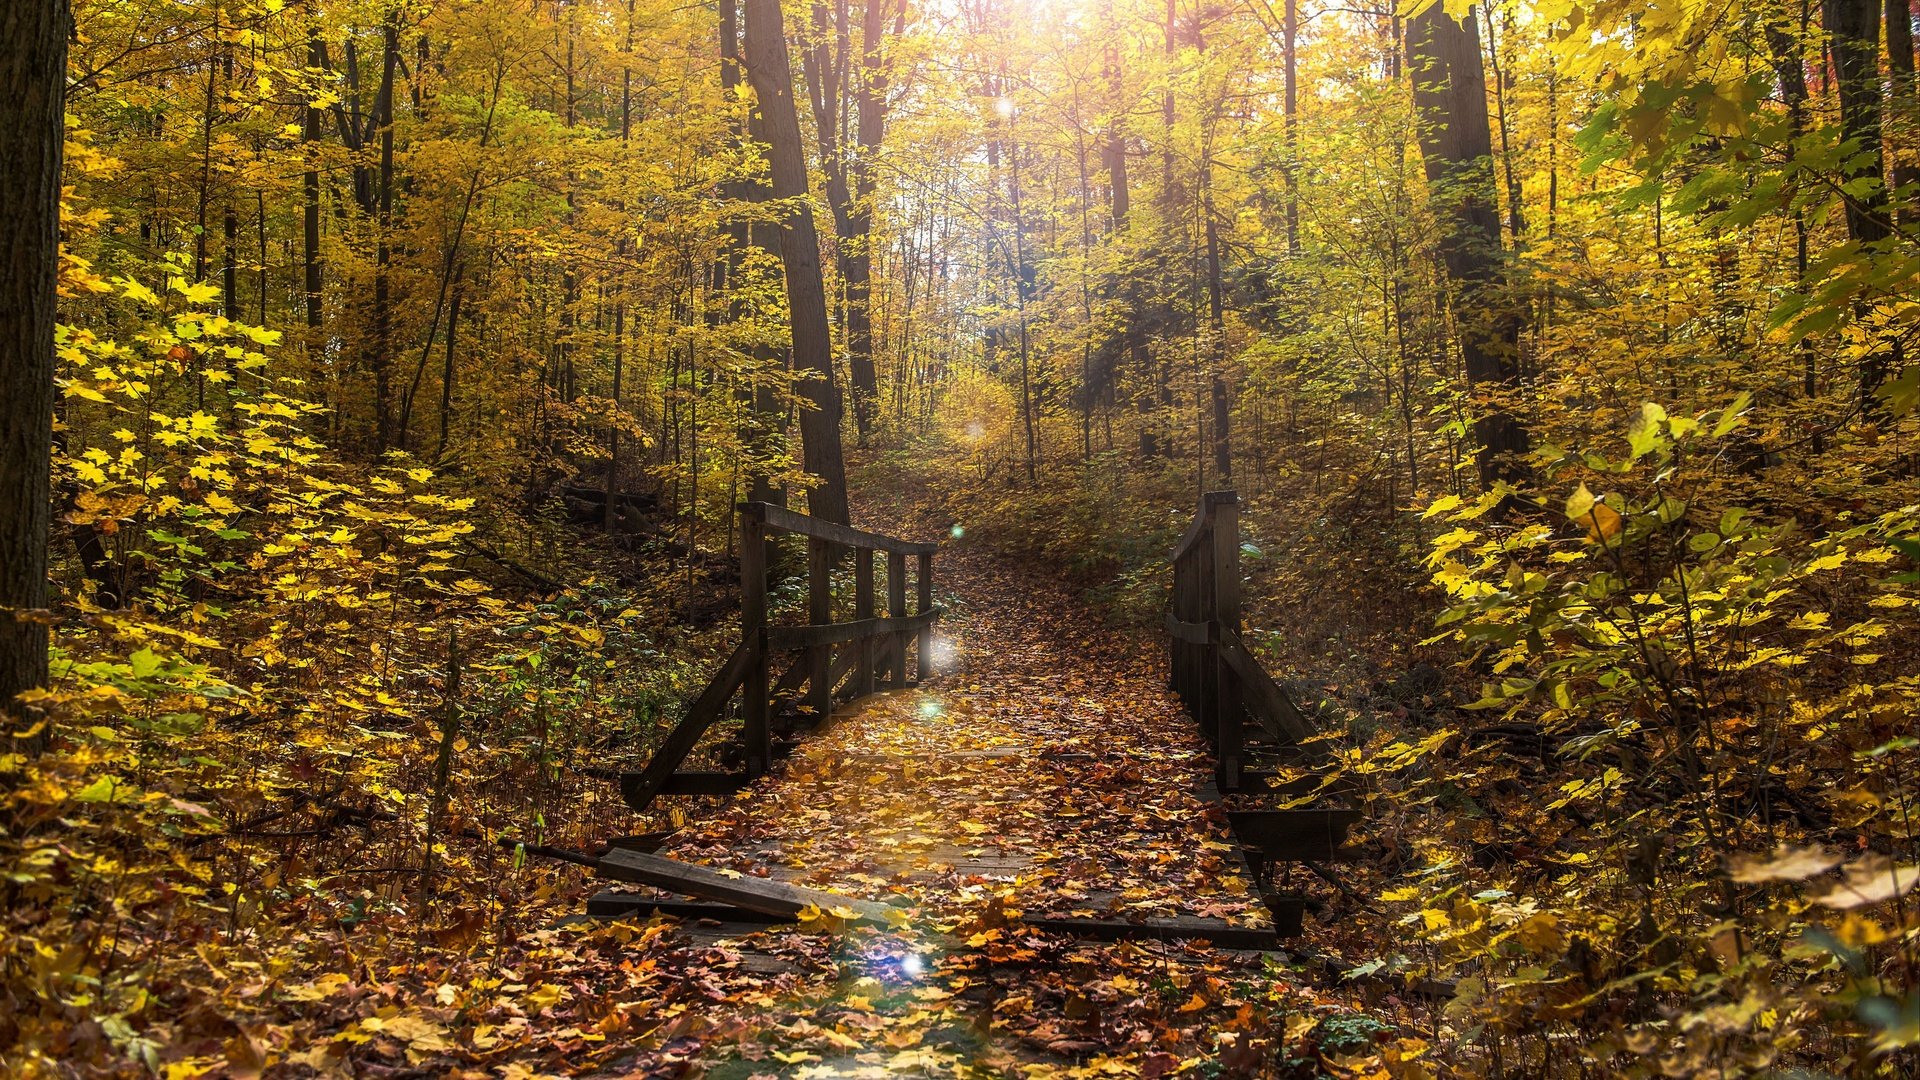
(1855,29)
(761,403)
(310,184)
(1456,143)
(771,74)
(381,355)
(33,71)
(856,265)
(1290,35)
(1900,64)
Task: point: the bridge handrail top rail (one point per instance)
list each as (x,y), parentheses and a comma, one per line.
(779,517)
(1203,521)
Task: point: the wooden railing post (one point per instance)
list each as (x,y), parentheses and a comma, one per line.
(897,607)
(923,583)
(755,707)
(819,613)
(862,609)
(1209,685)
(1228,734)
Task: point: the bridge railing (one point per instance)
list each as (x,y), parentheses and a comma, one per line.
(832,657)
(1222,683)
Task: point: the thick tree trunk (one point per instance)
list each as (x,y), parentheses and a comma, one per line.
(1855,26)
(1456,143)
(33,71)
(1900,65)
(771,74)
(1855,29)
(856,263)
(761,402)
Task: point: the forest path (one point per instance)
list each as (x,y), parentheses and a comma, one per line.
(1047,771)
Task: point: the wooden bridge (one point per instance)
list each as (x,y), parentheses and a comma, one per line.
(1260,806)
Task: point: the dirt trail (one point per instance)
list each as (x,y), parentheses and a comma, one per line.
(1047,772)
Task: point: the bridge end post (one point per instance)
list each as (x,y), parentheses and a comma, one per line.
(897,608)
(1229,737)
(923,585)
(820,613)
(755,708)
(862,609)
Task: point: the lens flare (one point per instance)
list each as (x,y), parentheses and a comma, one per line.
(941,652)
(912,966)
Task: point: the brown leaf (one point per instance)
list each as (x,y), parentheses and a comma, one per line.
(1785,864)
(1869,880)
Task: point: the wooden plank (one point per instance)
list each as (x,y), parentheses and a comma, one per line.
(703,783)
(1267,782)
(647,841)
(1180,927)
(751,893)
(784,638)
(1294,835)
(639,788)
(613,904)
(779,517)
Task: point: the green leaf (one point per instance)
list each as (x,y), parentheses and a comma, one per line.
(101,790)
(144,663)
(1733,415)
(1580,504)
(1643,434)
(1903,393)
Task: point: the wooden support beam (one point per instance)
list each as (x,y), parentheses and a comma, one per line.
(639,788)
(1264,698)
(1289,912)
(1192,633)
(1294,835)
(783,638)
(703,783)
(791,680)
(728,887)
